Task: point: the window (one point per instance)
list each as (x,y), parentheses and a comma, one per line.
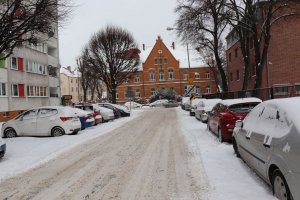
(198,90)
(161,75)
(35,67)
(152,91)
(237,75)
(297,88)
(36,91)
(207,75)
(14,63)
(72,82)
(29,114)
(197,75)
(117,95)
(52,71)
(229,57)
(47,112)
(281,90)
(136,78)
(208,89)
(15,90)
(5,114)
(2,89)
(137,93)
(236,52)
(152,75)
(165,61)
(72,89)
(155,61)
(185,76)
(231,77)
(171,74)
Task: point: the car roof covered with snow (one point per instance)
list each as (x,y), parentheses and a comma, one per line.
(229,102)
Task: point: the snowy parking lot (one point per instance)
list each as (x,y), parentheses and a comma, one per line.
(227,177)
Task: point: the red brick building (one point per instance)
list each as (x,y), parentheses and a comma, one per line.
(161,67)
(282,68)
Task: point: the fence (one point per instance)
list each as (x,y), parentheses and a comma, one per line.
(262,93)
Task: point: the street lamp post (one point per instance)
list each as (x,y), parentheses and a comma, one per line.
(187,47)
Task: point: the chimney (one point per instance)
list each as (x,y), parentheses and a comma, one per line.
(173,45)
(143,47)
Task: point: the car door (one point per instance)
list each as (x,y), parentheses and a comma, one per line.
(45,120)
(261,139)
(27,123)
(245,133)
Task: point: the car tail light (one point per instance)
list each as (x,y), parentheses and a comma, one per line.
(85,117)
(63,119)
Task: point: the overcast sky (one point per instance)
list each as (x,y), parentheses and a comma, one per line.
(145,19)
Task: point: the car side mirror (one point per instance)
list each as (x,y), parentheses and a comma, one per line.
(239,124)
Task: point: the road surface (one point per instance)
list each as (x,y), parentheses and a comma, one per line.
(145,159)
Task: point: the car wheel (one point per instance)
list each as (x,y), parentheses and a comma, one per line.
(220,135)
(10,133)
(280,187)
(235,148)
(57,131)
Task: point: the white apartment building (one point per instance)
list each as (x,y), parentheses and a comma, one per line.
(70,84)
(30,77)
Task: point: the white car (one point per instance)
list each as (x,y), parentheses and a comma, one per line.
(205,106)
(132,104)
(158,103)
(2,147)
(43,121)
(106,113)
(194,104)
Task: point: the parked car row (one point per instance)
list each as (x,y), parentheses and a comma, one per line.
(266,135)
(59,120)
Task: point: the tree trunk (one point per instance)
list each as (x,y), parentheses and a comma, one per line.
(114,95)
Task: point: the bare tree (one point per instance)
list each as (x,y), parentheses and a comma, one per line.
(83,68)
(22,21)
(114,55)
(252,20)
(203,23)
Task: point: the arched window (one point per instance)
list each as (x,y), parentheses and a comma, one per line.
(152,75)
(161,75)
(171,74)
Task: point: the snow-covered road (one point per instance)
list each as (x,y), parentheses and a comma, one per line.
(147,158)
(155,154)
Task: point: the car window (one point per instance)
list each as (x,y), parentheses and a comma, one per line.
(282,124)
(47,112)
(267,120)
(29,114)
(253,117)
(242,108)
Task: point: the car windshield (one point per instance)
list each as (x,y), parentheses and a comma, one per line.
(242,108)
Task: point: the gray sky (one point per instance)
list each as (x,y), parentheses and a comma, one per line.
(145,19)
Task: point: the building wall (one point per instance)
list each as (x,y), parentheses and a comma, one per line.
(169,62)
(28,72)
(283,58)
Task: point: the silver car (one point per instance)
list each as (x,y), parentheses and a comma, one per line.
(268,140)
